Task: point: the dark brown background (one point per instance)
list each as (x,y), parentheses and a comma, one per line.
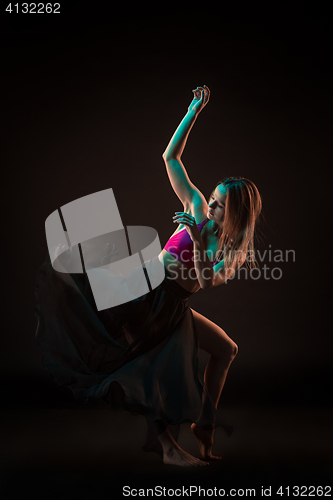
(90,100)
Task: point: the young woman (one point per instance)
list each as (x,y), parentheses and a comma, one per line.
(142,356)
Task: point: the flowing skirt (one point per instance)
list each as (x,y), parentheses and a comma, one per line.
(141,356)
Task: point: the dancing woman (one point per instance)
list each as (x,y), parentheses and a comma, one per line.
(142,356)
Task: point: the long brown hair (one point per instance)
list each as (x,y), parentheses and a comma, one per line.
(242,210)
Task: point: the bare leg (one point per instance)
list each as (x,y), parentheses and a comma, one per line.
(223,350)
(174,455)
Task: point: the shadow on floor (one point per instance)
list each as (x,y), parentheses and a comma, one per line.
(94,453)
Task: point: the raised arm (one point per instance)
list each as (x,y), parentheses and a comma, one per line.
(180,181)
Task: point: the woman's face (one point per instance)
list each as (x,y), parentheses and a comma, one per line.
(216,204)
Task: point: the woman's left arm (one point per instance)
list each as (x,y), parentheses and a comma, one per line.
(203,267)
(205,272)
(207,275)
(222,274)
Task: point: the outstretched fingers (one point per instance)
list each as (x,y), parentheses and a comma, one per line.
(183,218)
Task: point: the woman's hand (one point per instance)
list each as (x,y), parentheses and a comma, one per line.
(200,99)
(189,223)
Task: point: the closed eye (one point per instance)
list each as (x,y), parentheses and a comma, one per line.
(220,206)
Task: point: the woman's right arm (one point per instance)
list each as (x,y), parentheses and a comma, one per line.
(180,181)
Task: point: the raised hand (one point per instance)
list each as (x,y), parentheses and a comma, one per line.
(200,99)
(189,223)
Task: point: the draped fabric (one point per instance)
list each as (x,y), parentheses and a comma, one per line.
(141,356)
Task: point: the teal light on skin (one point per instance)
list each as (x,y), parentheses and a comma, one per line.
(216,205)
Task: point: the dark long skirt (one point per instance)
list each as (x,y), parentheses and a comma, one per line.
(141,356)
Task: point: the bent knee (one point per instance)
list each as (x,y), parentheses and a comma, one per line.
(227,352)
(232,351)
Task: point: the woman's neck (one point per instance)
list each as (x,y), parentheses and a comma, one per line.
(216,228)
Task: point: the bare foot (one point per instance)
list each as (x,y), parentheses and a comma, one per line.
(205,440)
(176,456)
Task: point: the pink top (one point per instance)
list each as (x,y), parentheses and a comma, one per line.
(180,246)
